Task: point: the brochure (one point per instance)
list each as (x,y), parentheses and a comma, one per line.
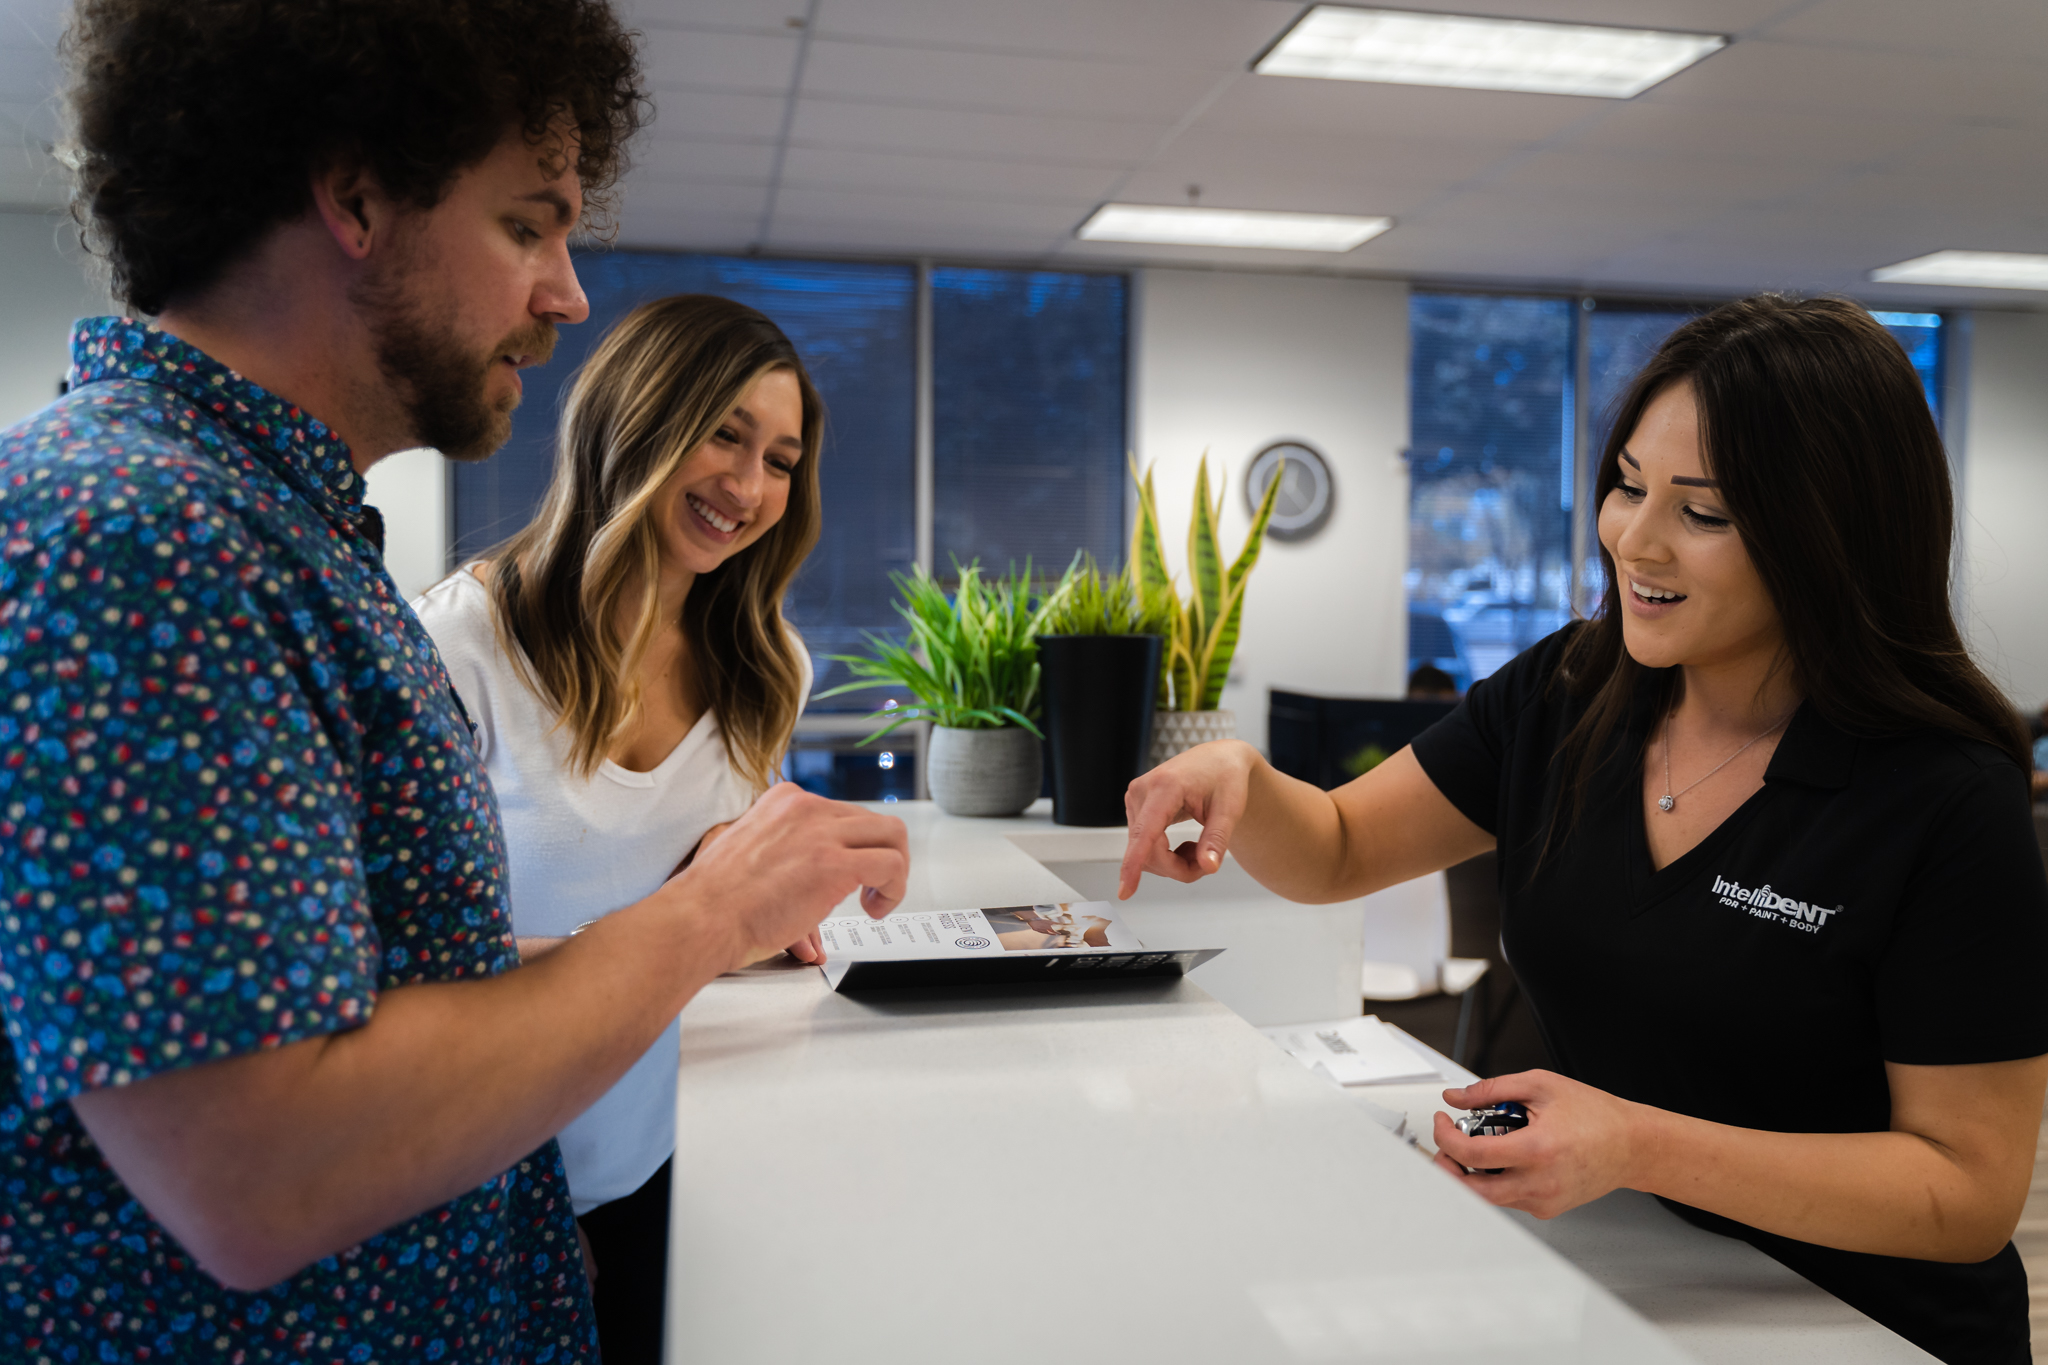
(1361,1051)
(1009,943)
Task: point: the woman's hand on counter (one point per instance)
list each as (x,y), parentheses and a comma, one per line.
(1946,1182)
(1209,783)
(1580,1143)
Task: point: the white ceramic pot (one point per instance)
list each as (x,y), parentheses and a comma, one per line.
(1175,732)
(984,772)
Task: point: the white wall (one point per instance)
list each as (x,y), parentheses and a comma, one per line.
(2005,502)
(44,288)
(46,284)
(411,490)
(1234,362)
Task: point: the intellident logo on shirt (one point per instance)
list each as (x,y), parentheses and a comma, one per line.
(1764,903)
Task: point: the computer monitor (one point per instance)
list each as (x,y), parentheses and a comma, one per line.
(1330,740)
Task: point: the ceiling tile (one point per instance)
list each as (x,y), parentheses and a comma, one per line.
(1689,16)
(1689,131)
(679,159)
(1219,31)
(1836,81)
(722,61)
(1605,177)
(37,23)
(1311,172)
(1287,106)
(838,235)
(914,214)
(28,73)
(882,127)
(702,116)
(823,167)
(2004,30)
(648,204)
(680,230)
(760,15)
(1003,81)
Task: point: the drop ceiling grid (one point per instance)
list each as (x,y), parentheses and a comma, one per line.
(1832,136)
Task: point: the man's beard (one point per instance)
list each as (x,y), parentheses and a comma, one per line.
(440,385)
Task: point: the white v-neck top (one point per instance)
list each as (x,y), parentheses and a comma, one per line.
(578,849)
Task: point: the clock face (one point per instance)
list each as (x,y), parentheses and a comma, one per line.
(1306,494)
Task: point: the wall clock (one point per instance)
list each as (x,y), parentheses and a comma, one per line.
(1307,493)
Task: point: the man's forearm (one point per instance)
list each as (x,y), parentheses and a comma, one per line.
(319,1144)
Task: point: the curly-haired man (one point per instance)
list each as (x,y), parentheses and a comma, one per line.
(274,1092)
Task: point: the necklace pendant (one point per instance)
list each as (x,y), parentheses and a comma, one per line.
(1666,802)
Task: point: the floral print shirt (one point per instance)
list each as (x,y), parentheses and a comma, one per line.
(238,798)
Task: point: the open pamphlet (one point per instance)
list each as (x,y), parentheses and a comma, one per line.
(1004,944)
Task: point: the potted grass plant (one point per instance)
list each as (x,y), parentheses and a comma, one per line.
(970,665)
(1202,630)
(1099,654)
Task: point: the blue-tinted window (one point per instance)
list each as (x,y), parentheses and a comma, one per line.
(1920,334)
(855,326)
(1027,416)
(1489,566)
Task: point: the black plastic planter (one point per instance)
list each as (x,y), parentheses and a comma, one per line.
(1099,691)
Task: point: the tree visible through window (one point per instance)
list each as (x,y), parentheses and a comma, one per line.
(1489,559)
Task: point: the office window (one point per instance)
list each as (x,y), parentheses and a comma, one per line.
(1028,417)
(1490,392)
(855,326)
(1920,334)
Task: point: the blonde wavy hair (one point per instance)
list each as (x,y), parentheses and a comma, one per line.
(655,389)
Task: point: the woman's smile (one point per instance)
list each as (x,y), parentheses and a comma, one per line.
(1652,602)
(710,520)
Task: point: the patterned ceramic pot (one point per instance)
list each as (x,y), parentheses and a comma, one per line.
(1175,732)
(984,772)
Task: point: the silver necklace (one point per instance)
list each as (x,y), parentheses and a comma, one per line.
(1670,798)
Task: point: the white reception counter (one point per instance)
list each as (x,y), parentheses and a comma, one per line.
(1133,1173)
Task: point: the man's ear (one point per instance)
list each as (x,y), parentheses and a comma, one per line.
(353,208)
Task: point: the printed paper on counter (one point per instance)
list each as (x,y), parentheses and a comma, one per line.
(1079,926)
(1354,1052)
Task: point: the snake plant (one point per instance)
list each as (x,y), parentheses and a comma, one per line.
(1202,634)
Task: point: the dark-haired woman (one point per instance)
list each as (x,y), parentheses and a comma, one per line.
(633,687)
(1767,869)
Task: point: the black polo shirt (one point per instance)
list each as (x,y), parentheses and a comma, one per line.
(1881,899)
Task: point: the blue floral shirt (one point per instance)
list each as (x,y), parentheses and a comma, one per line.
(237,799)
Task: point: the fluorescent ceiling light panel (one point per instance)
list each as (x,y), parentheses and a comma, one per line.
(1977,269)
(1185,225)
(1340,43)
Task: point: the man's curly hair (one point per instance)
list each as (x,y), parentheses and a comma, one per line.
(197,125)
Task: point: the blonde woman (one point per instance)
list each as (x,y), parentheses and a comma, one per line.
(633,686)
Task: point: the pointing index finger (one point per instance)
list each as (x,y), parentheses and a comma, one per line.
(1148,824)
